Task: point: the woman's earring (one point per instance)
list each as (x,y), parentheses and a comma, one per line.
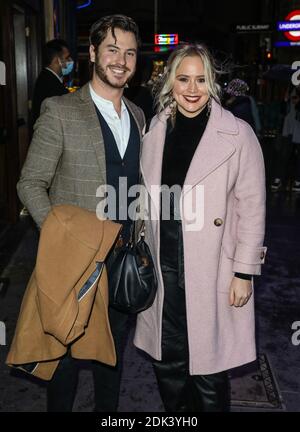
(173,106)
(173,110)
(208,107)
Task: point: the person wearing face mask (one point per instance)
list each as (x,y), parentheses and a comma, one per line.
(58,63)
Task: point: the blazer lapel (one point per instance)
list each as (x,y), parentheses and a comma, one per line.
(94,129)
(129,107)
(214,148)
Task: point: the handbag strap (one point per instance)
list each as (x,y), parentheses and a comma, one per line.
(132,231)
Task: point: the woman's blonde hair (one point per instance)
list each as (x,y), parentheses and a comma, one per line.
(163,91)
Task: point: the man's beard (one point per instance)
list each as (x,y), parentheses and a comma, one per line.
(100,72)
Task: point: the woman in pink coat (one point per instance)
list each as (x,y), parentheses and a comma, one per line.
(205,229)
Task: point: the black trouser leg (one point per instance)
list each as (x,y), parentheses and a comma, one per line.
(172,371)
(61,389)
(211,392)
(179,390)
(107,379)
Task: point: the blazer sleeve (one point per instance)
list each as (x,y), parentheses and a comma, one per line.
(250,195)
(42,159)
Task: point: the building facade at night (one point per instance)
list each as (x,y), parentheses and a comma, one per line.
(245,36)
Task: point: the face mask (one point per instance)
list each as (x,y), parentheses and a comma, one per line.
(68,69)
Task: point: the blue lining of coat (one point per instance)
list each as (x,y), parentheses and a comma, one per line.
(30,367)
(91,281)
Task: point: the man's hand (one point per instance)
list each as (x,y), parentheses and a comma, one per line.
(240,292)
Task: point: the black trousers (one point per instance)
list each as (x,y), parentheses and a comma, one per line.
(61,389)
(180,391)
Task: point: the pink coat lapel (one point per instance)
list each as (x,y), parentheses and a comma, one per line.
(214,149)
(151,161)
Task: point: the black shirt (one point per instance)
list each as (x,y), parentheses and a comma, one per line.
(181,143)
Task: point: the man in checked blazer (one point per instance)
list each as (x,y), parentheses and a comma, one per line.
(81,141)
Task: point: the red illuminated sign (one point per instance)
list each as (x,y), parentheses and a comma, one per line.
(293,35)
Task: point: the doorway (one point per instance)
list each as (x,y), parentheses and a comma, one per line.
(21,71)
(20,52)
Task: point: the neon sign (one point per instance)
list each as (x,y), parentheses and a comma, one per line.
(166,39)
(84,5)
(291,26)
(288,25)
(286,43)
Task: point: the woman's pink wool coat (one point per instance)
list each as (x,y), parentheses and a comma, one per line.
(227,175)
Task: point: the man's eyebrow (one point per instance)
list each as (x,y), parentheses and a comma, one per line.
(112,46)
(116,47)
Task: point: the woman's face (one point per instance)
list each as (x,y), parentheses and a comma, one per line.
(190,89)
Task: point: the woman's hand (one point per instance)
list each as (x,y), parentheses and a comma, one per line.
(240,292)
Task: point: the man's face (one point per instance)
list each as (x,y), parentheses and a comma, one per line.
(115,59)
(65,56)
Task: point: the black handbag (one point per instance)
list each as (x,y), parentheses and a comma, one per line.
(131,277)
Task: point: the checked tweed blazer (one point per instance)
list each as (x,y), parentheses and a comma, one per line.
(66,158)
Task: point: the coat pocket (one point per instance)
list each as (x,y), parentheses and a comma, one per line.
(229,249)
(225,269)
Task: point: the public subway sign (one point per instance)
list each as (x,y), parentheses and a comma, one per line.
(288,26)
(166,39)
(252,28)
(2,74)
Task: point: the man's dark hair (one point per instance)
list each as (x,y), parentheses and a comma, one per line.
(101,27)
(52,49)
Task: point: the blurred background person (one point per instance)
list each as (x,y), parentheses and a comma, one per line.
(237,102)
(288,163)
(138,90)
(58,63)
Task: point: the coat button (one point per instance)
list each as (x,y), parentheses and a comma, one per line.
(262,255)
(218,222)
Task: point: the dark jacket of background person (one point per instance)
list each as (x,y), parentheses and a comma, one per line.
(47,85)
(138,91)
(240,106)
(56,56)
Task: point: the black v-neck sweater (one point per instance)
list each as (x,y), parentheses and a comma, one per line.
(180,146)
(181,143)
